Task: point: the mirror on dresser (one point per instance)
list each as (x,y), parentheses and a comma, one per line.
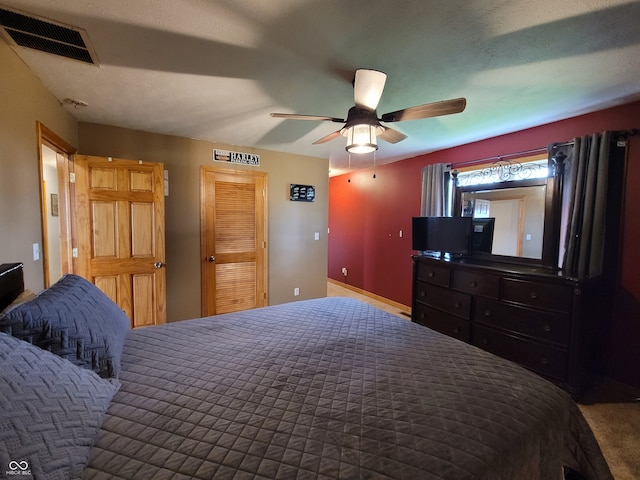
(515,219)
(547,307)
(509,296)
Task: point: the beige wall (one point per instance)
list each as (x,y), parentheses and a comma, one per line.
(295,258)
(23,101)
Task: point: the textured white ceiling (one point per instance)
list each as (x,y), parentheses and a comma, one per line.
(215,69)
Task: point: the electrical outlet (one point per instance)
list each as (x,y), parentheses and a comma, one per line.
(316,236)
(344,271)
(296,292)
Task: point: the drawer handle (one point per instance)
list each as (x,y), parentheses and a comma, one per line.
(487,313)
(422,316)
(546,327)
(473,284)
(544,361)
(534,295)
(456,330)
(432,274)
(484,341)
(457,304)
(423,293)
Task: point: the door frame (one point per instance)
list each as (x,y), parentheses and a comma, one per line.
(203,230)
(521,206)
(47,137)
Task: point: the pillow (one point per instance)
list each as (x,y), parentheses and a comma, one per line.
(24,296)
(51,412)
(74,320)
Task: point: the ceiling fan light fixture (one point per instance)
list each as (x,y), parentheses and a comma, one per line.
(362,126)
(361,138)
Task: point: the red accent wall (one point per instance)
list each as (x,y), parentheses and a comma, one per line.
(367,214)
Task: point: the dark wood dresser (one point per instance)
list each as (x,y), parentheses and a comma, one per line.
(532,316)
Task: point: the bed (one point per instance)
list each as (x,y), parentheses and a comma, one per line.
(325,388)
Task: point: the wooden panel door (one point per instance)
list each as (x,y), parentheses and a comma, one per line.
(234,234)
(119,230)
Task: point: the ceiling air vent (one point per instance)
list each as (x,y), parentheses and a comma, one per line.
(44,35)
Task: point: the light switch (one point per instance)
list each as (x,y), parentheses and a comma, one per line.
(36,252)
(317,236)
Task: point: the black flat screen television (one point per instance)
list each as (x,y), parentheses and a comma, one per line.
(450,235)
(482,239)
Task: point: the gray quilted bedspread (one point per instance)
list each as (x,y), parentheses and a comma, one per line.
(331,388)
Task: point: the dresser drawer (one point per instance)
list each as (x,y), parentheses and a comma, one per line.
(547,326)
(432,273)
(540,295)
(442,322)
(454,303)
(476,283)
(543,359)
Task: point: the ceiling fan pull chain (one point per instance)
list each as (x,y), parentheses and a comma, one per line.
(349,179)
(374,164)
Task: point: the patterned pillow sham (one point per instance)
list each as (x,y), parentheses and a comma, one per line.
(51,412)
(74,320)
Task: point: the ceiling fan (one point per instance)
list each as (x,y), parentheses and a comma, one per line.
(362,126)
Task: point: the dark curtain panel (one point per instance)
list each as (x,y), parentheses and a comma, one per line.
(586,179)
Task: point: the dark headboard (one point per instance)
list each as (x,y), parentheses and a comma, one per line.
(11,283)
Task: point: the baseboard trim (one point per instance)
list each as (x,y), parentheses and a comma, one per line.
(404,309)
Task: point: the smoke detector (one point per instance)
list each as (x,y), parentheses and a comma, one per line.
(75,103)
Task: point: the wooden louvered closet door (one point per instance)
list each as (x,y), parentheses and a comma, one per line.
(234,267)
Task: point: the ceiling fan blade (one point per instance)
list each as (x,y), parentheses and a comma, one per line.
(367,88)
(436,109)
(294,116)
(392,136)
(328,138)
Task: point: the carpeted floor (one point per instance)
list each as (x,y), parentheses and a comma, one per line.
(612,409)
